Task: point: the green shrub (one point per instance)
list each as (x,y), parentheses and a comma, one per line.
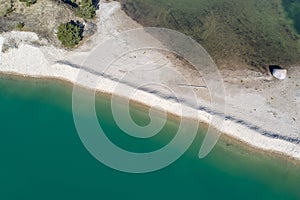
(70,34)
(20,25)
(86,9)
(29,2)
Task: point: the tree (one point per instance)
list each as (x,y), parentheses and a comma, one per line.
(86,9)
(70,34)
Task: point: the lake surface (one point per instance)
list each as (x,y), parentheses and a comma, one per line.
(42,156)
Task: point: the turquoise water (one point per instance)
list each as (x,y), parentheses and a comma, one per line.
(42,156)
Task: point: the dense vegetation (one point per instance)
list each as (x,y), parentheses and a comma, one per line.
(70,34)
(255,32)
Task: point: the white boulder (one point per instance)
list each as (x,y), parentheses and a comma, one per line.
(279,73)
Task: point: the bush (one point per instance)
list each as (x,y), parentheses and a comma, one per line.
(86,9)
(20,25)
(70,34)
(29,2)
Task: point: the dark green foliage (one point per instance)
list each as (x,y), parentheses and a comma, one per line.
(86,9)
(29,2)
(70,34)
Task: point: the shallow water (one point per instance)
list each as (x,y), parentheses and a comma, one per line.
(42,156)
(292,8)
(256,32)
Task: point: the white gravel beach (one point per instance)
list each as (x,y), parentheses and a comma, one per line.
(260,111)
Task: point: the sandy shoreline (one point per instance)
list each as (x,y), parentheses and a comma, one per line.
(42,62)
